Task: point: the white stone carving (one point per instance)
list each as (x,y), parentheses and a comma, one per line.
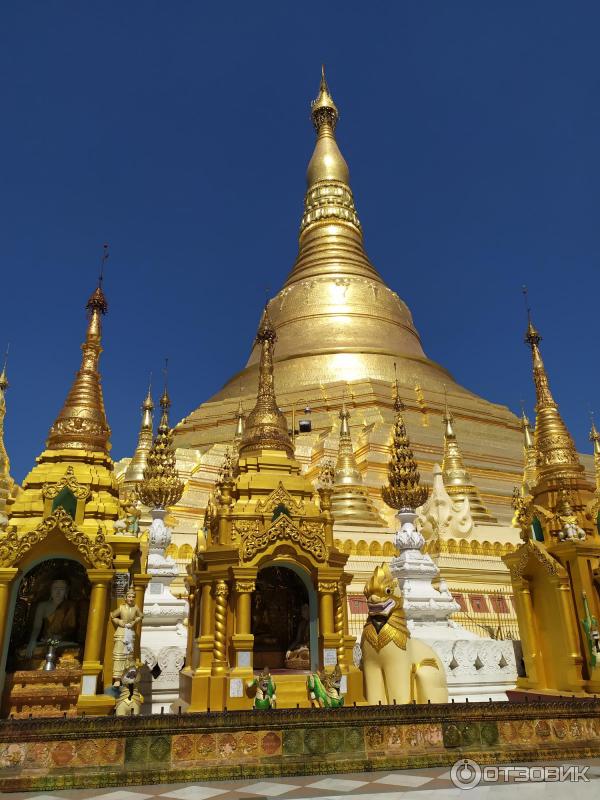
(164,633)
(441,516)
(476,668)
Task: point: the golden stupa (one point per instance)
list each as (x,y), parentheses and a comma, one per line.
(340,331)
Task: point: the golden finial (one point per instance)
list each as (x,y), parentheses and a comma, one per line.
(594,436)
(239,426)
(323,109)
(403,489)
(5,479)
(161,486)
(448,418)
(81,424)
(347,472)
(555,450)
(266,426)
(398,404)
(456,477)
(327,163)
(530,455)
(3,379)
(595,439)
(137,465)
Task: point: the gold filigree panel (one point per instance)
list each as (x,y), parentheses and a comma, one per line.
(280,496)
(52,490)
(96,552)
(309,536)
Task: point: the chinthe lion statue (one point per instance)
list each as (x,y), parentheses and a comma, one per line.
(396,668)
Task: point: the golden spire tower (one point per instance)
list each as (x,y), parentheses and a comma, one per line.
(161,486)
(595,439)
(457,479)
(530,455)
(350,501)
(557,459)
(81,423)
(266,427)
(403,490)
(137,465)
(5,479)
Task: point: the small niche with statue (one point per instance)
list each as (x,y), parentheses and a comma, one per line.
(47,638)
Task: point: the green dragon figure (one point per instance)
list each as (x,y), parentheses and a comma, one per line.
(324,687)
(265,697)
(592,633)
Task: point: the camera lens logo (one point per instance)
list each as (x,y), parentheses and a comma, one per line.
(465,774)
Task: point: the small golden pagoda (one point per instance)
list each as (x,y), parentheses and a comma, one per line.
(457,480)
(135,469)
(267,587)
(62,567)
(555,573)
(350,501)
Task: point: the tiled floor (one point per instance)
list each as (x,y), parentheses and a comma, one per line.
(400,785)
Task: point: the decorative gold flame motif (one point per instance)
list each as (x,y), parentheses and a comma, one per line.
(403,488)
(266,426)
(81,423)
(161,486)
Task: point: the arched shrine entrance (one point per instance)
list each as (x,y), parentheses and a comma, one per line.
(284,620)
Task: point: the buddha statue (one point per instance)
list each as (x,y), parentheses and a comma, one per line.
(298,653)
(54,619)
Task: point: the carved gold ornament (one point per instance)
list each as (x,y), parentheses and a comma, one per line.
(96,552)
(52,490)
(526,551)
(309,536)
(280,496)
(327,587)
(245,587)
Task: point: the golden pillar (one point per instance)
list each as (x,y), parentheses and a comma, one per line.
(529,641)
(101,580)
(7,576)
(243,640)
(339,623)
(328,639)
(570,677)
(89,702)
(221,593)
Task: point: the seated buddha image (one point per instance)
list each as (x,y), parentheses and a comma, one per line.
(54,619)
(298,653)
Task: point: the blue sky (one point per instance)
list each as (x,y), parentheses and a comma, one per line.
(179,132)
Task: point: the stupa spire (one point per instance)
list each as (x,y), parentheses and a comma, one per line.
(595,439)
(5,479)
(456,477)
(403,489)
(330,232)
(81,423)
(529,455)
(161,486)
(556,454)
(137,465)
(266,426)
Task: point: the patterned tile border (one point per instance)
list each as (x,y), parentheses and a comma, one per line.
(47,755)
